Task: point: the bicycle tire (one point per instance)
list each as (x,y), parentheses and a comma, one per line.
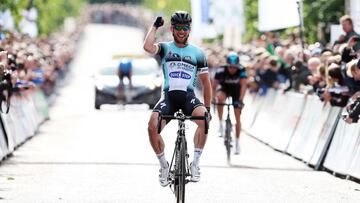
(228,139)
(181,175)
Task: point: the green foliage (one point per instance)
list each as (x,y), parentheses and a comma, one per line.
(251,18)
(327,12)
(115,1)
(15,7)
(52,13)
(167,7)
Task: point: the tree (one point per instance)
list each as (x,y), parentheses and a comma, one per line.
(167,7)
(327,12)
(51,13)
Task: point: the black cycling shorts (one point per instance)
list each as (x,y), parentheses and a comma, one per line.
(122,75)
(233,92)
(174,100)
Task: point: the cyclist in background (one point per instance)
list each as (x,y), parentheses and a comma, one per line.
(230,81)
(124,70)
(182,63)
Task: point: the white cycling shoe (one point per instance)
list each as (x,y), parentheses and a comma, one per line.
(164,176)
(195,173)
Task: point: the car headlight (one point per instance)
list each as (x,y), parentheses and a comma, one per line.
(99,86)
(158,82)
(151,86)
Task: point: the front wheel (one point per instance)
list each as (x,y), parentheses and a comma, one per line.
(227,140)
(180,177)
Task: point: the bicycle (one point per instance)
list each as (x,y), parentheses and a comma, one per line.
(228,130)
(179,170)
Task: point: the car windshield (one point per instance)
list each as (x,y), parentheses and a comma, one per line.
(144,66)
(140,67)
(108,71)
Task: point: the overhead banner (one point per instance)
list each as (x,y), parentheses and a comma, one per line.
(228,13)
(201,21)
(278,14)
(355,14)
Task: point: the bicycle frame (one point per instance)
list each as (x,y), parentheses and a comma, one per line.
(179,166)
(228,130)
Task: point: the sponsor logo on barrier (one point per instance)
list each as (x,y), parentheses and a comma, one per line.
(178,74)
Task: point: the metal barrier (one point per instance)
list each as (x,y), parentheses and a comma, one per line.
(306,128)
(27,111)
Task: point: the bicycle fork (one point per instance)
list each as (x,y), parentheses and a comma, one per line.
(176,158)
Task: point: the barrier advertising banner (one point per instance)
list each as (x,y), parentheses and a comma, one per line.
(343,148)
(324,135)
(306,135)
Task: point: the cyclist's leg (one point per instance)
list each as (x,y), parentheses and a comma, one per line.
(199,143)
(155,138)
(237,112)
(130,80)
(194,107)
(221,97)
(200,136)
(120,95)
(157,142)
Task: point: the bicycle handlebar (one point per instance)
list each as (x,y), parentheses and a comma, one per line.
(182,117)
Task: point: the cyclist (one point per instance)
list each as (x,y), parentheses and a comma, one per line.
(230,81)
(124,70)
(182,64)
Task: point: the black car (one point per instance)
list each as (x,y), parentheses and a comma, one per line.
(146,84)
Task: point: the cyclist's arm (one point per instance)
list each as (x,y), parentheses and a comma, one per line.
(214,84)
(149,44)
(242,89)
(118,71)
(243,81)
(205,80)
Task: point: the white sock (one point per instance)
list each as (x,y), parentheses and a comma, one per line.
(162,160)
(197,154)
(221,124)
(237,142)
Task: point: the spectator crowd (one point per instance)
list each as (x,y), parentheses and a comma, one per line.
(330,71)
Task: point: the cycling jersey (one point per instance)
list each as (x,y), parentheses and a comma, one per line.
(181,66)
(231,80)
(230,83)
(125,67)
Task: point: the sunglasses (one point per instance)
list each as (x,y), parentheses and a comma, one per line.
(181,27)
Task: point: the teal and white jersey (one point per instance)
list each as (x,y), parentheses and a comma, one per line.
(181,66)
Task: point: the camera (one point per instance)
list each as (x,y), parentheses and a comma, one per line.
(6,89)
(353,110)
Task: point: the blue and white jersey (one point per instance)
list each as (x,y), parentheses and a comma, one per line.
(181,66)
